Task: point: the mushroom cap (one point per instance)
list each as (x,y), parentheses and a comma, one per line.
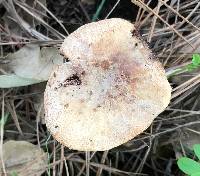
(110,91)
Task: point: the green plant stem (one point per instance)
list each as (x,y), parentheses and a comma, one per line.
(46,144)
(96,15)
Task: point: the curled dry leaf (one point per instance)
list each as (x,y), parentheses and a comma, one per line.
(7,81)
(23,158)
(30,64)
(110,90)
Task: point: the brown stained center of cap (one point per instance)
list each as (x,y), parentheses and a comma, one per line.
(125,69)
(130,70)
(105,64)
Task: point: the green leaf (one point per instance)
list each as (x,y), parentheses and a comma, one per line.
(196,59)
(191,67)
(8,81)
(96,15)
(188,165)
(196,174)
(14,173)
(196,148)
(4,119)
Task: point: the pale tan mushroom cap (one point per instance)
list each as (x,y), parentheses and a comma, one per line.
(109,92)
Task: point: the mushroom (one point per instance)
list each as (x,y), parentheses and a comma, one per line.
(110,91)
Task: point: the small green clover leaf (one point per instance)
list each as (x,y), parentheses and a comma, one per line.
(188,68)
(196,59)
(14,173)
(191,67)
(195,63)
(196,174)
(190,166)
(196,148)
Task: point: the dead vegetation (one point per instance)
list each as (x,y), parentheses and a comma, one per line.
(171,28)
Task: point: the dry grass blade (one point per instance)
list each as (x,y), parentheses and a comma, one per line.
(2,133)
(53,16)
(11,109)
(87,163)
(183,18)
(81,172)
(191,13)
(177,127)
(107,168)
(179,92)
(24,25)
(136,2)
(33,14)
(37,122)
(140,167)
(194,36)
(169,130)
(39,42)
(182,110)
(154,22)
(185,86)
(54,157)
(62,159)
(66,167)
(84,11)
(118,1)
(143,9)
(99,171)
(170,26)
(139,20)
